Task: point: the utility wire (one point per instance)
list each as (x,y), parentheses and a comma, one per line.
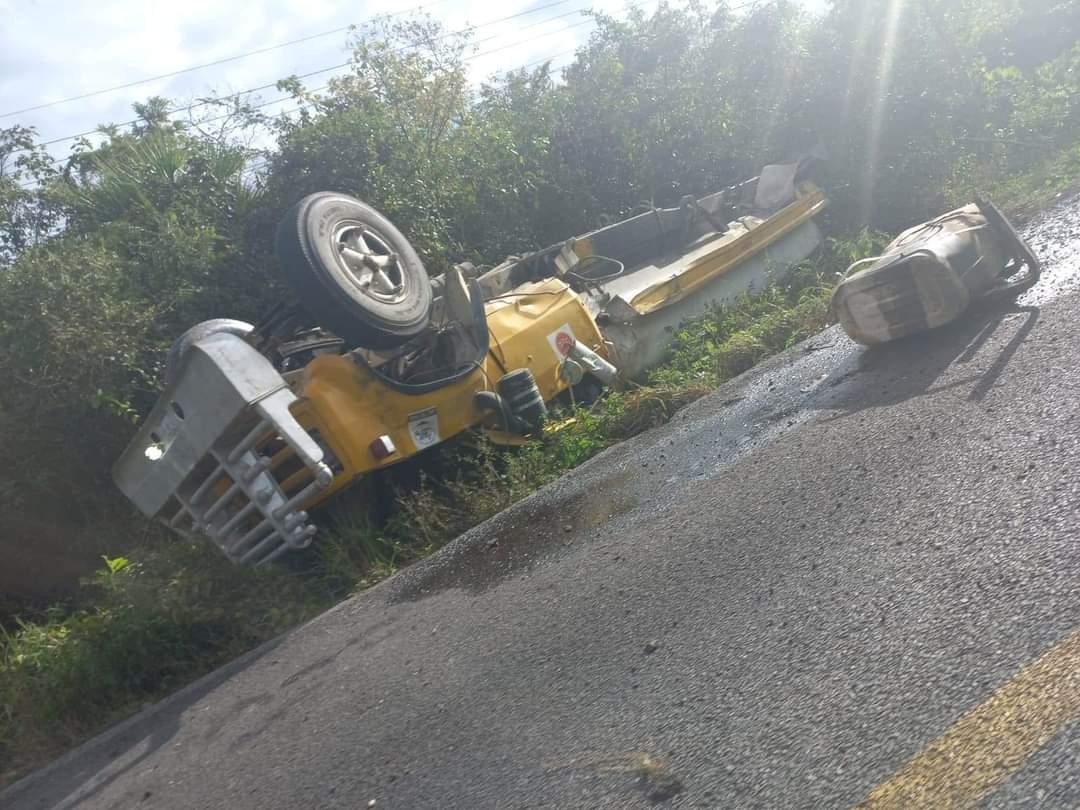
(471,57)
(262,104)
(466,59)
(262,164)
(192,68)
(318,72)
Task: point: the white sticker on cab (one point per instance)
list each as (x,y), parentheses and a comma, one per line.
(424,428)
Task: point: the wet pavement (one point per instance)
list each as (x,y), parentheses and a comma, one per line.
(1054,235)
(846,576)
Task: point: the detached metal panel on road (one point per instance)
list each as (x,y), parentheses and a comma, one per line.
(843,576)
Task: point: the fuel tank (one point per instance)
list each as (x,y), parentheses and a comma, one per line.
(932,273)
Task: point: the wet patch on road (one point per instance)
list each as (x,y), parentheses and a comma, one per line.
(1054,236)
(518,538)
(827,373)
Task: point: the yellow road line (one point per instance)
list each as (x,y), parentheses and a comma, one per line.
(993,740)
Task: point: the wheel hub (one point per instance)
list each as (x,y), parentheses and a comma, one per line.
(368,262)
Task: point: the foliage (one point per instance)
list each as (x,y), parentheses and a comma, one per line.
(1025,194)
(398,128)
(157,621)
(117,250)
(27,214)
(108,255)
(151,243)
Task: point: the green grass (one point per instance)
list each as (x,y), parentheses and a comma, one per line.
(732,339)
(1053,178)
(1021,195)
(147,625)
(143,630)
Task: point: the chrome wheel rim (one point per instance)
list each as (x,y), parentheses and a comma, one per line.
(368,263)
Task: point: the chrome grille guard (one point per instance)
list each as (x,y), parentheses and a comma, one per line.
(199,462)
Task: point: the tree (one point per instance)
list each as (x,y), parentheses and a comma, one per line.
(391,133)
(27,214)
(108,255)
(152,241)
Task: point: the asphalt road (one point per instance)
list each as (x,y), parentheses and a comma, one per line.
(845,576)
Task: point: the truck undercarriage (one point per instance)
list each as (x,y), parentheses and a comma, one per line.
(373,362)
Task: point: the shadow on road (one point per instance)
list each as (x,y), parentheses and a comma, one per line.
(929,363)
(515,539)
(86,771)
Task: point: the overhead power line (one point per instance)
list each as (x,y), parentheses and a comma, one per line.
(469,58)
(466,59)
(261,164)
(324,70)
(192,68)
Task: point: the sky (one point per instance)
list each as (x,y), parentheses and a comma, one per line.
(54,49)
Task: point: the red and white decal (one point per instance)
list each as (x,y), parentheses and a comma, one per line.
(562,341)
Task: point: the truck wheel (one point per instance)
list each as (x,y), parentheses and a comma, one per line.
(354,271)
(196,333)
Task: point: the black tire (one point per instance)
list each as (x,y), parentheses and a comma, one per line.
(326,244)
(196,333)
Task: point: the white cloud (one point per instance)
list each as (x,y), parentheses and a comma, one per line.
(54,49)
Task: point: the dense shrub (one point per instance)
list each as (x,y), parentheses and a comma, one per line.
(129,243)
(108,256)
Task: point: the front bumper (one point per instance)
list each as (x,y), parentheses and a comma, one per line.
(222,456)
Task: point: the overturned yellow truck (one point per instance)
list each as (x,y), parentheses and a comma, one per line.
(374,362)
